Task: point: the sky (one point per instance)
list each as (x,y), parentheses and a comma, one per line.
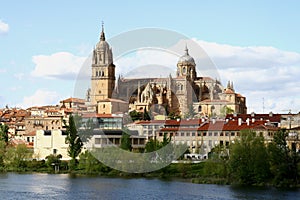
(255,44)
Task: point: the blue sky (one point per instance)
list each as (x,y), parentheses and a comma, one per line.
(255,33)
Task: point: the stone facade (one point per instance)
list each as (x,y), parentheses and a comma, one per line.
(181,95)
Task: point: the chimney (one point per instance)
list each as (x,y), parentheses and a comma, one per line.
(252,114)
(239,121)
(213,120)
(270,114)
(248,121)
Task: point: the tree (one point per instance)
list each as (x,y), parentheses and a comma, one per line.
(152,145)
(2,153)
(125,140)
(191,112)
(4,132)
(283,160)
(248,162)
(74,141)
(15,157)
(226,110)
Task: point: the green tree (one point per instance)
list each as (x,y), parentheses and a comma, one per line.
(191,112)
(52,160)
(146,115)
(226,110)
(4,132)
(125,140)
(135,115)
(74,141)
(248,162)
(2,154)
(283,160)
(152,145)
(16,157)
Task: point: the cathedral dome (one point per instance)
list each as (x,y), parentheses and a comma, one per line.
(186,58)
(102,45)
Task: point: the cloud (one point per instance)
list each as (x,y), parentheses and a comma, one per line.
(61,65)
(40,98)
(4,27)
(267,76)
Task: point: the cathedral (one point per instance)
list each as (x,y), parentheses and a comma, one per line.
(182,94)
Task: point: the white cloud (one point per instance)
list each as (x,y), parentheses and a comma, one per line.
(258,72)
(62,65)
(40,98)
(4,27)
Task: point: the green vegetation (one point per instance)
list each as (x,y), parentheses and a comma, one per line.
(125,140)
(135,115)
(247,161)
(74,141)
(3,132)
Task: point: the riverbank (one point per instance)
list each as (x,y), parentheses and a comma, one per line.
(198,173)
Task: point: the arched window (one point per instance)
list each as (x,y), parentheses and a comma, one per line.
(199,109)
(96,73)
(184,70)
(102,73)
(180,86)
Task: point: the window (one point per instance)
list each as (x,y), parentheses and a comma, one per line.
(204,133)
(97,141)
(187,134)
(193,133)
(232,134)
(182,133)
(199,109)
(183,70)
(215,133)
(210,134)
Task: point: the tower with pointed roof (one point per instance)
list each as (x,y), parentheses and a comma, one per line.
(186,66)
(103,71)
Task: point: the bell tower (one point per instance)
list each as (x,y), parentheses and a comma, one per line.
(186,66)
(103,71)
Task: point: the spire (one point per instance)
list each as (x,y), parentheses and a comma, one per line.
(186,50)
(228,85)
(231,86)
(102,36)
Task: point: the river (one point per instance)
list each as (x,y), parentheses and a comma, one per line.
(63,186)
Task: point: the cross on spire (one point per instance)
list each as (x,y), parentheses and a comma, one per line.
(102,36)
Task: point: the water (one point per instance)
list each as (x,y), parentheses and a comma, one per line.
(62,186)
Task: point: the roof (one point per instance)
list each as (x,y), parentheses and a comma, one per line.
(95,115)
(150,122)
(32,133)
(218,125)
(244,117)
(113,100)
(70,100)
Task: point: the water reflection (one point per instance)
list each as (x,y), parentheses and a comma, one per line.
(63,186)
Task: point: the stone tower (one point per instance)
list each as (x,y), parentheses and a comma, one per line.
(103,71)
(186,66)
(186,75)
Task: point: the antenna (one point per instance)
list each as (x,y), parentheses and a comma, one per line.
(263,107)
